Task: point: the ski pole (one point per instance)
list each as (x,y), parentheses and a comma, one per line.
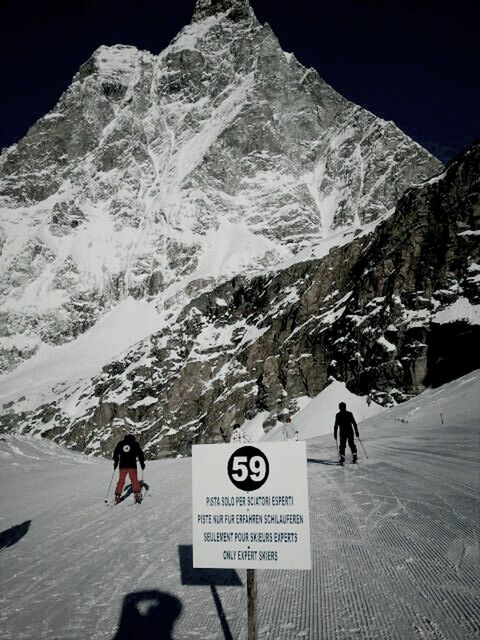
(108,490)
(362,446)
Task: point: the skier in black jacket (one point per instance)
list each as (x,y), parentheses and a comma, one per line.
(345,420)
(126,453)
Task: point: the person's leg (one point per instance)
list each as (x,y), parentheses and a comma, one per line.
(135,481)
(343,442)
(121,481)
(351,444)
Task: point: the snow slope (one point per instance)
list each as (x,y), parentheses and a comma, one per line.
(317,416)
(36,378)
(394,541)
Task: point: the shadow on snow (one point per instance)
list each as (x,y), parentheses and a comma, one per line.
(129,490)
(11,536)
(152,614)
(327,462)
(210,577)
(148,615)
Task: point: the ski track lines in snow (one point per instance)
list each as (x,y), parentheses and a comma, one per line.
(390,540)
(394,545)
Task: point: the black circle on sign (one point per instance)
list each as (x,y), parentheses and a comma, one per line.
(248,468)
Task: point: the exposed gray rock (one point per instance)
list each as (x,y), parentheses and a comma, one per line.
(387,313)
(148,164)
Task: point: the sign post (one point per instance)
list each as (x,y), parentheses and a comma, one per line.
(250,510)
(252,604)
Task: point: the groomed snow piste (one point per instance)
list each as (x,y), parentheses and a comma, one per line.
(395,550)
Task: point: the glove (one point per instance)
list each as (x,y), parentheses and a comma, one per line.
(142,464)
(356,433)
(115,465)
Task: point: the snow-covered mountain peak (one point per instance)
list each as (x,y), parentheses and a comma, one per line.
(235,9)
(141,179)
(118,62)
(110,70)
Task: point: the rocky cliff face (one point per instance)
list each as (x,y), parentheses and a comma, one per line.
(390,311)
(159,176)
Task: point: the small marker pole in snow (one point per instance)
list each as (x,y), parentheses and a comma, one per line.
(252,604)
(362,447)
(108,490)
(440,409)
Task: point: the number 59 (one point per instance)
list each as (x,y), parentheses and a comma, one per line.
(242,468)
(248,468)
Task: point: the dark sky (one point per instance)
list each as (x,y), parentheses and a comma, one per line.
(415,62)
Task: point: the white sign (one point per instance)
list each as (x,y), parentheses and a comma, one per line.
(250,506)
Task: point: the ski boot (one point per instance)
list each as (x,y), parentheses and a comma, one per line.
(118,498)
(342,460)
(138,496)
(354,458)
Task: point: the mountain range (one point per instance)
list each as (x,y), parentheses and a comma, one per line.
(193,238)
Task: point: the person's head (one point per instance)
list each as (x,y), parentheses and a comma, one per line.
(130,437)
(288,418)
(342,406)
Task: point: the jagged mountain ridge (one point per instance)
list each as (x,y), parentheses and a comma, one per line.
(390,312)
(157,176)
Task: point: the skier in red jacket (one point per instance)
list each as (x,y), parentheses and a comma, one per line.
(125,455)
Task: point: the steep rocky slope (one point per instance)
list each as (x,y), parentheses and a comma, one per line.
(389,312)
(159,176)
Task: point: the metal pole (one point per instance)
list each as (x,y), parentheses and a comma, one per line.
(252,604)
(363,447)
(108,490)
